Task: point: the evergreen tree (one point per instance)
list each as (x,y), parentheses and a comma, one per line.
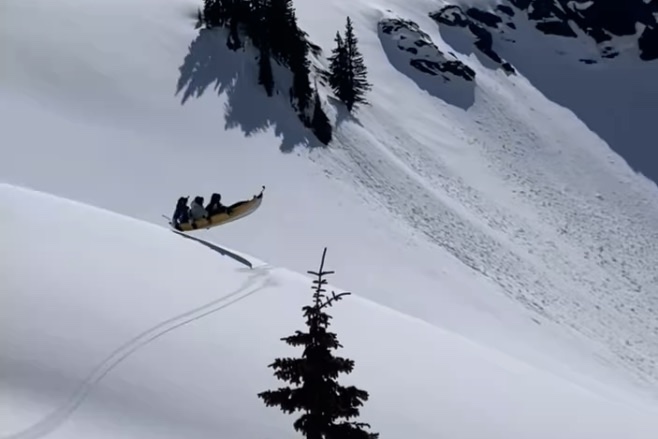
(238,13)
(338,68)
(320,122)
(301,92)
(199,19)
(318,394)
(231,13)
(265,77)
(348,73)
(289,46)
(256,23)
(215,12)
(271,25)
(358,70)
(282,29)
(257,28)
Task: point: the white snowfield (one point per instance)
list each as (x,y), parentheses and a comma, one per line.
(489,213)
(114,327)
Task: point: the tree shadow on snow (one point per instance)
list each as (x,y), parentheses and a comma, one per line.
(342,114)
(615,99)
(210,62)
(457,92)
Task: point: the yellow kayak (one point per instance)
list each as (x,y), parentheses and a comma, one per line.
(235,211)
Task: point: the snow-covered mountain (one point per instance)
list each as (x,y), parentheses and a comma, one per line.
(114,327)
(499,186)
(584,55)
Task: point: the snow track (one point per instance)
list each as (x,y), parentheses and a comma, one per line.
(197,373)
(254,282)
(494,210)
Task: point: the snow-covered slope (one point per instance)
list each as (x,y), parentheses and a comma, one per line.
(486,209)
(113,327)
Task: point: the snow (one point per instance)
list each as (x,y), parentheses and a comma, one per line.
(131,330)
(503,213)
(412,52)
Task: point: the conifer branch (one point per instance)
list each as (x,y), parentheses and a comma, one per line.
(317,394)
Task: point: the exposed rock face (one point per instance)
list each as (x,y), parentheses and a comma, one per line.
(451,15)
(487,18)
(648,43)
(421,52)
(506,10)
(475,20)
(600,19)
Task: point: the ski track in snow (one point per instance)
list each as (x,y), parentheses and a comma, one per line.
(203,380)
(515,187)
(50,423)
(580,256)
(583,288)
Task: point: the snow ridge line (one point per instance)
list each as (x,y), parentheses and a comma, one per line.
(52,421)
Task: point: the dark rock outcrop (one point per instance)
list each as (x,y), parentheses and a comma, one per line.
(451,15)
(602,20)
(610,17)
(505,10)
(484,17)
(422,53)
(648,43)
(556,27)
(474,20)
(521,4)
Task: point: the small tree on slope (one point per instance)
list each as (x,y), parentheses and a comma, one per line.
(348,73)
(230,13)
(317,392)
(320,124)
(258,31)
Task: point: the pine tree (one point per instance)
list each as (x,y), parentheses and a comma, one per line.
(301,85)
(231,13)
(256,24)
(199,19)
(238,14)
(257,29)
(265,76)
(318,394)
(358,72)
(271,25)
(320,122)
(338,65)
(348,73)
(289,46)
(282,29)
(215,12)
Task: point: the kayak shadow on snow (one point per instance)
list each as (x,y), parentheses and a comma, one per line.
(209,62)
(218,249)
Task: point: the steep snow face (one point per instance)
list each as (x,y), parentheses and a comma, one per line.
(515,186)
(601,20)
(581,55)
(412,52)
(480,37)
(486,209)
(423,53)
(113,327)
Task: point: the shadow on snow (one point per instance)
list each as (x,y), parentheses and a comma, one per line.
(210,63)
(218,249)
(616,98)
(457,92)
